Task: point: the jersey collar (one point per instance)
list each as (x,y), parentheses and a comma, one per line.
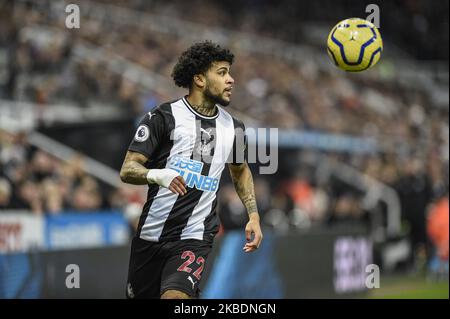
(189,106)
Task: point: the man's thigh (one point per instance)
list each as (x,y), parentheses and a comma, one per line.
(183,270)
(147,260)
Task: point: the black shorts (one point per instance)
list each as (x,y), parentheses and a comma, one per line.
(157,267)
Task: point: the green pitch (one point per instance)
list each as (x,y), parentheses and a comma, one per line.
(407,287)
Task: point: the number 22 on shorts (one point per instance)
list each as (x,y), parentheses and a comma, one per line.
(190,256)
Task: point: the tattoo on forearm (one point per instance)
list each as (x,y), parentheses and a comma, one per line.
(134,173)
(243,184)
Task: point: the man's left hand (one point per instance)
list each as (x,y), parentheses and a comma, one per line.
(253,229)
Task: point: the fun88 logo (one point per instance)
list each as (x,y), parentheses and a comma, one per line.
(191,170)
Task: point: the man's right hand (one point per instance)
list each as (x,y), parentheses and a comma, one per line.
(167,178)
(178,186)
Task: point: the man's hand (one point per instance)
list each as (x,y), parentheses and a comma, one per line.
(168,178)
(178,186)
(243,183)
(253,229)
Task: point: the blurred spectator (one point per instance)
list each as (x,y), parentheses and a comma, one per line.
(277,217)
(29,197)
(233,214)
(347,210)
(130,199)
(263,195)
(86,196)
(41,166)
(415,194)
(132,213)
(438,232)
(42,184)
(52,196)
(5,193)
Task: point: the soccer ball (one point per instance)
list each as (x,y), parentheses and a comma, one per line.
(355,45)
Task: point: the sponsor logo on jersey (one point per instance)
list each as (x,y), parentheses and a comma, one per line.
(191,170)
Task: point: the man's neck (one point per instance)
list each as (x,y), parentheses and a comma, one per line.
(202,106)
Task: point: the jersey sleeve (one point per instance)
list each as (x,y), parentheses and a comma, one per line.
(149,134)
(238,154)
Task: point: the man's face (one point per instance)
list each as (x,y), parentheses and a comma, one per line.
(219,83)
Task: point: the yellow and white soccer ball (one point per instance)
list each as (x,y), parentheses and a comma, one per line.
(355,45)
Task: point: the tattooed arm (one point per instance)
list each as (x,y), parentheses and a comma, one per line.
(134,172)
(243,183)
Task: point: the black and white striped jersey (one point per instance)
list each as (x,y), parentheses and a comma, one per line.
(175,136)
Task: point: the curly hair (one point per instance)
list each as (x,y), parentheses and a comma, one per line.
(197,60)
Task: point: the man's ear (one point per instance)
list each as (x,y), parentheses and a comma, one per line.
(200,80)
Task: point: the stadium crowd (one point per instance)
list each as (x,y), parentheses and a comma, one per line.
(35,181)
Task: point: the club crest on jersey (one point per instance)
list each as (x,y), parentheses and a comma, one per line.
(142,133)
